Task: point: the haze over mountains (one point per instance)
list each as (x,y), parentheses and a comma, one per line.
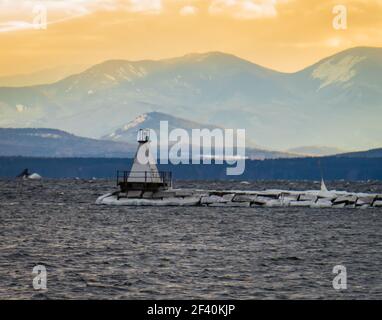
(40,77)
(314,151)
(335,103)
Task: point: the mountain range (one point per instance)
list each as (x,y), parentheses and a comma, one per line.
(52,143)
(41,142)
(335,103)
(56,143)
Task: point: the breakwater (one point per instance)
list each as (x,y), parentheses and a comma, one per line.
(241,198)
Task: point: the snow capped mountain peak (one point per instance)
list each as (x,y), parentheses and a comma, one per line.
(105,75)
(151,120)
(135,123)
(337,71)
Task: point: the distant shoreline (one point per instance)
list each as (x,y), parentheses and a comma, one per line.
(334,168)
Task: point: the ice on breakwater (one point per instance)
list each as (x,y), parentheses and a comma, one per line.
(241,198)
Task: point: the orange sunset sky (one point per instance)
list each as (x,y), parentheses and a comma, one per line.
(286,35)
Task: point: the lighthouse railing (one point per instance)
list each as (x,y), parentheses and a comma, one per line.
(161,177)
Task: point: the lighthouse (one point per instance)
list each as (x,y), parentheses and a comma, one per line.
(144,174)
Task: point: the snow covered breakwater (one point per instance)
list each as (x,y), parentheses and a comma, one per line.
(240,198)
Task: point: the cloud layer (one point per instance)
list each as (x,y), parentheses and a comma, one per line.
(281,34)
(17,15)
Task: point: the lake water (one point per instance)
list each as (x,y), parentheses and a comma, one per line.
(100,252)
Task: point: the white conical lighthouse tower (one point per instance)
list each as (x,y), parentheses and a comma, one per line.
(144,174)
(144,167)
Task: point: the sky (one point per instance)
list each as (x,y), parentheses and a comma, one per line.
(285,35)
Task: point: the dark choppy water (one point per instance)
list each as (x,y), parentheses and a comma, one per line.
(98,252)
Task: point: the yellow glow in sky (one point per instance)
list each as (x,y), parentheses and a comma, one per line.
(286,35)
